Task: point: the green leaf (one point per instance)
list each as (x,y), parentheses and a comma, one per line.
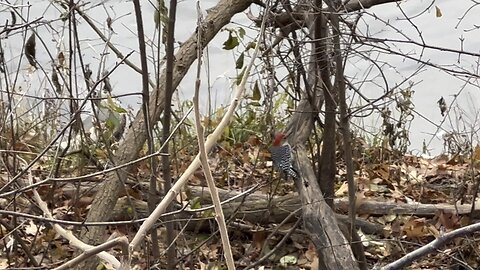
(288,260)
(110,123)
(119,109)
(239,62)
(251,45)
(251,117)
(195,203)
(256,92)
(226,132)
(241,32)
(231,42)
(208,213)
(114,107)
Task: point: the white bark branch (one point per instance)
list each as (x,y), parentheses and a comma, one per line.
(431,247)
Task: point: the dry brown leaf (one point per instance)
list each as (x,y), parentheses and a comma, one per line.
(311,252)
(32,228)
(476,157)
(342,190)
(258,238)
(416,228)
(449,221)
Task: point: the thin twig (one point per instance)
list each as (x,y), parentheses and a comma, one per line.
(120,241)
(62,131)
(152,195)
(87,176)
(277,228)
(275,249)
(110,45)
(66,233)
(219,217)
(167,112)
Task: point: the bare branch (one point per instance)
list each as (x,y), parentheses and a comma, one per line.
(432,247)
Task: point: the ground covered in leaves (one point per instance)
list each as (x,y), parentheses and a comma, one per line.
(382,176)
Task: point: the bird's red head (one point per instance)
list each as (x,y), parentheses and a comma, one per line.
(279,138)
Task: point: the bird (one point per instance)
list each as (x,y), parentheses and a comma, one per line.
(282,155)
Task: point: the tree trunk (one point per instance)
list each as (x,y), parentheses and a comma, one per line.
(333,248)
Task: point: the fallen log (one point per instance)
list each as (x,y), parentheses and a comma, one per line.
(262,209)
(291,202)
(253,209)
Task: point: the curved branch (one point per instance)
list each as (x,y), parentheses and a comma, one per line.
(432,247)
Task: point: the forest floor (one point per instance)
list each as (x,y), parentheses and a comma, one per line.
(383,177)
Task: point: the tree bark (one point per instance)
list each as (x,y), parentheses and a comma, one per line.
(255,209)
(295,19)
(327,166)
(263,209)
(333,248)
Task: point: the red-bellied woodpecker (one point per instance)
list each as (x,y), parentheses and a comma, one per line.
(282,155)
